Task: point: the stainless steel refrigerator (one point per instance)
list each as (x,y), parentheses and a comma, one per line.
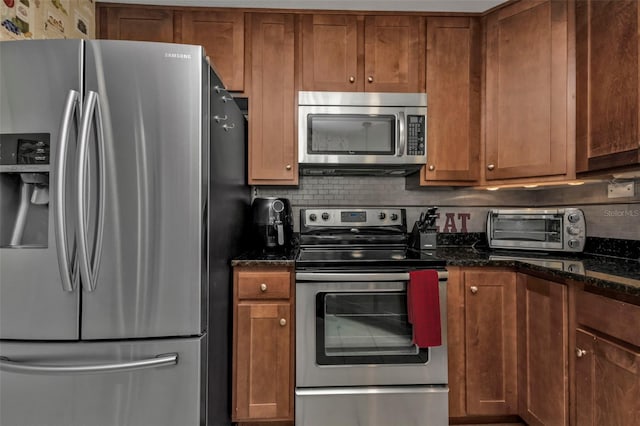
(122,198)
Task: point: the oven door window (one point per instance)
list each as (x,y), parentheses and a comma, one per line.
(351,134)
(365,328)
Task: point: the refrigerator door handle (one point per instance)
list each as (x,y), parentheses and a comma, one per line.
(89,272)
(163,360)
(71,111)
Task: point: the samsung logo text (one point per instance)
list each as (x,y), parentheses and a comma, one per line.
(177,55)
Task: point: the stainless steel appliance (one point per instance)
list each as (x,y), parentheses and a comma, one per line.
(272,223)
(356,362)
(114,271)
(346,133)
(537,229)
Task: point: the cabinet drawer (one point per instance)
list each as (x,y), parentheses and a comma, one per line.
(609,316)
(264,285)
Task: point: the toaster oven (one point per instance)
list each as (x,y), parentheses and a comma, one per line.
(537,229)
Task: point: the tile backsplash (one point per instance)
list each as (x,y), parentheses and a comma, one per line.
(464,209)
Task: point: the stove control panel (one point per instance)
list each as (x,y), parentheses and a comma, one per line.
(353,217)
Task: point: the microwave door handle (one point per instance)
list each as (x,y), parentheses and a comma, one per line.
(402,135)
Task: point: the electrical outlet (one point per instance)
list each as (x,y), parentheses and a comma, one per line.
(620,190)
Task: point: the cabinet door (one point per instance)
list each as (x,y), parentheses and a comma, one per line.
(136,23)
(272,142)
(526,91)
(607,82)
(394,54)
(330,53)
(263,376)
(453,86)
(222,35)
(542,352)
(607,382)
(490,326)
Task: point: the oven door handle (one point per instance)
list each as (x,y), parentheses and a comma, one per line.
(331,276)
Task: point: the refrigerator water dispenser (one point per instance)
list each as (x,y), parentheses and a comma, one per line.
(24,190)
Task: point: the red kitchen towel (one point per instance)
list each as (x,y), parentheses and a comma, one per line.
(423,308)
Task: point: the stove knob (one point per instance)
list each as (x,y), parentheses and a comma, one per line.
(573,243)
(572,230)
(325,216)
(394,216)
(382,215)
(313,217)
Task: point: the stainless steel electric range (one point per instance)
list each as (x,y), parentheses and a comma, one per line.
(356,362)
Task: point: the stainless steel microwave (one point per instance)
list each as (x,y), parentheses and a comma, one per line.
(537,229)
(361,133)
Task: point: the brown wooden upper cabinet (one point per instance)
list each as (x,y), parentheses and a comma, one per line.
(220,32)
(222,35)
(453,71)
(272,142)
(135,23)
(528,130)
(607,79)
(362,53)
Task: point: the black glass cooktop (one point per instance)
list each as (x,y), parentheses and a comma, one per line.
(343,257)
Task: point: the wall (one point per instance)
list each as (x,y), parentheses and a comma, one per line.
(463,209)
(38,19)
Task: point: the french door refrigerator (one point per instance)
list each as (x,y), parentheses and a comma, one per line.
(114,276)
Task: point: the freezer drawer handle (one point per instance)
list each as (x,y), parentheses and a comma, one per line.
(71,111)
(121,367)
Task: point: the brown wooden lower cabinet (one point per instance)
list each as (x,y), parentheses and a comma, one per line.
(543,369)
(482,318)
(607,364)
(263,334)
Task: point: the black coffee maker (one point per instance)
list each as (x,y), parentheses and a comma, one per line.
(272,223)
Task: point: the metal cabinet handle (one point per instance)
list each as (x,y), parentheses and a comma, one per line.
(491,167)
(283,322)
(352,79)
(580,352)
(219,89)
(288,167)
(474,289)
(263,287)
(228,127)
(226,98)
(432,168)
(219,118)
(24,368)
(370,79)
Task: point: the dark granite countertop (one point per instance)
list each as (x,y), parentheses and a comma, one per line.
(262,258)
(611,275)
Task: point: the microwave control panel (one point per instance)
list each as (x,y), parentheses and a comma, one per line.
(415,134)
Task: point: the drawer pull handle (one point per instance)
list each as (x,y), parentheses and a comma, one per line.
(490,167)
(474,289)
(283,322)
(263,287)
(580,352)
